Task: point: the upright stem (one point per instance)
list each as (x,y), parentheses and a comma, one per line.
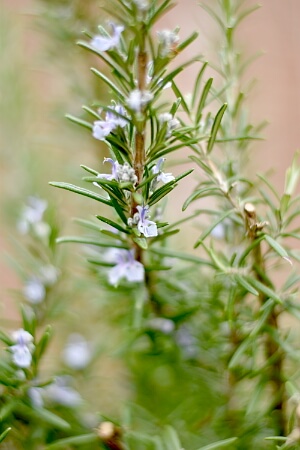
(273,351)
(140,154)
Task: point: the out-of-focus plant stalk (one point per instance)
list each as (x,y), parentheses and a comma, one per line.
(273,352)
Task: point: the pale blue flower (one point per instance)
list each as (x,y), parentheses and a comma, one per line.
(103,43)
(77,354)
(126,267)
(145,226)
(35,395)
(162,176)
(117,120)
(34,290)
(32,214)
(22,350)
(102,128)
(61,393)
(114,170)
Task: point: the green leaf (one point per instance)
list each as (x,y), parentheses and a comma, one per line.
(203,98)
(292,176)
(8,408)
(73,440)
(165,235)
(141,242)
(80,191)
(244,283)
(187,42)
(219,444)
(88,169)
(43,343)
(261,321)
(28,319)
(277,248)
(239,353)
(171,439)
(178,93)
(161,192)
(113,224)
(4,434)
(109,83)
(246,252)
(80,122)
(268,292)
(5,338)
(183,175)
(91,112)
(214,224)
(246,13)
(179,255)
(198,82)
(210,190)
(212,13)
(90,241)
(41,414)
(215,127)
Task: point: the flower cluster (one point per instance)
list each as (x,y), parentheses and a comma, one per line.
(168,42)
(172,123)
(120,172)
(23,348)
(137,100)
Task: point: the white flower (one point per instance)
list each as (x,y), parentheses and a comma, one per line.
(101,129)
(77,353)
(218,232)
(61,393)
(36,397)
(166,326)
(168,42)
(161,176)
(22,351)
(34,290)
(145,226)
(32,214)
(103,43)
(137,99)
(142,5)
(49,274)
(172,122)
(126,267)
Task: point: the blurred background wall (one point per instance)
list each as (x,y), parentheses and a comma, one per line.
(38,87)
